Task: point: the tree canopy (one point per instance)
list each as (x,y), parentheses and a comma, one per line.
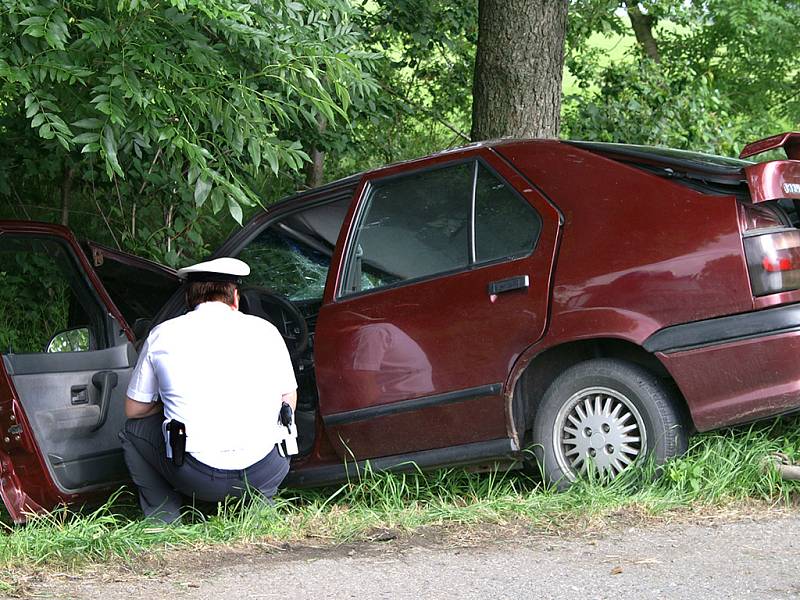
(156,125)
(167,106)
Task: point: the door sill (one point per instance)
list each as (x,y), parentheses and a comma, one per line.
(490,451)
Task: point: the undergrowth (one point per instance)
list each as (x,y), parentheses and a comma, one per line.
(719,469)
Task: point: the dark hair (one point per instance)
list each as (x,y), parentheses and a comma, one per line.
(198,292)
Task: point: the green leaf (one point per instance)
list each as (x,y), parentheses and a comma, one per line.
(46,132)
(110,147)
(254,148)
(201,191)
(235,210)
(37,120)
(90,148)
(88,124)
(86,138)
(272,158)
(217,200)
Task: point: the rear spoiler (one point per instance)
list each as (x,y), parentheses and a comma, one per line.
(774,179)
(789,141)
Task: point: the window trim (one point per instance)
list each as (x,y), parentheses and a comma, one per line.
(472,264)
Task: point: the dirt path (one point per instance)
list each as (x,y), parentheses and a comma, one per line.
(711,556)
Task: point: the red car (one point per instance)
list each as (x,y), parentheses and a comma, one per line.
(595,301)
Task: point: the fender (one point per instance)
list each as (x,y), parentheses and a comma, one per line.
(591,324)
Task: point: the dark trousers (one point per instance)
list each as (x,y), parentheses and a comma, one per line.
(162,485)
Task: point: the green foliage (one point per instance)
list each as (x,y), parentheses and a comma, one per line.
(34,296)
(165,113)
(726,74)
(641,103)
(425,56)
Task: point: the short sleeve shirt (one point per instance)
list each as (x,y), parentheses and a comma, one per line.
(222,373)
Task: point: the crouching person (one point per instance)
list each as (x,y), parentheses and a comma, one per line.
(222,377)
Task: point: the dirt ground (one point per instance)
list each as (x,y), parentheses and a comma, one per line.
(735,553)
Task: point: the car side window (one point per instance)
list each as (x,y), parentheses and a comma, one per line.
(47,304)
(292,255)
(437,221)
(505,224)
(413,227)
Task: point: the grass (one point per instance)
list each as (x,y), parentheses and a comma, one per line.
(720,469)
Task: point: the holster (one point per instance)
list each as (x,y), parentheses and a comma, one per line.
(176,437)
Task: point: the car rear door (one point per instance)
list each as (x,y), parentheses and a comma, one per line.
(66,362)
(443,284)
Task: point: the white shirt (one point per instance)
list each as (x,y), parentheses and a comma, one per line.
(222,374)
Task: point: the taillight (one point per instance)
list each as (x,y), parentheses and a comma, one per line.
(773,260)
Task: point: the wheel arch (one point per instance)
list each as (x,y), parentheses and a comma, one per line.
(529,383)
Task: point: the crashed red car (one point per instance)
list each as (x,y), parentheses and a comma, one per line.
(595,301)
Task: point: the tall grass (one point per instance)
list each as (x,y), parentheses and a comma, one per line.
(719,469)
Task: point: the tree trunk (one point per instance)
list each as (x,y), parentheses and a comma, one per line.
(315,170)
(66,188)
(643,29)
(518,67)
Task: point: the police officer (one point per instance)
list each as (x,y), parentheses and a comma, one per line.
(208,385)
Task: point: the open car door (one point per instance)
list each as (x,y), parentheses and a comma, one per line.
(67,357)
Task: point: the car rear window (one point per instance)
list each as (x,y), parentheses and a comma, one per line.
(707,173)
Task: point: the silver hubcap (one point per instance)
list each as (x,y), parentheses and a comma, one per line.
(598,426)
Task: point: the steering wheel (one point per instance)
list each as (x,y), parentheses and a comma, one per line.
(279,311)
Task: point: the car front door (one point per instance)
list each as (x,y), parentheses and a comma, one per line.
(443,284)
(66,362)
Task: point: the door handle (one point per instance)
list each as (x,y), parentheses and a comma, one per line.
(500,286)
(105,381)
(78,394)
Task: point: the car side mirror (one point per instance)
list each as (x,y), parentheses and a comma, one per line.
(70,340)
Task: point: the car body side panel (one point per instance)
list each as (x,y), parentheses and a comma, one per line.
(473,420)
(25,483)
(638,254)
(635,243)
(739,381)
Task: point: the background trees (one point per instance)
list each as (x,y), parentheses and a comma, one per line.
(155,116)
(156,125)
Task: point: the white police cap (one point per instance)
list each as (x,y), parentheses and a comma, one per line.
(220,269)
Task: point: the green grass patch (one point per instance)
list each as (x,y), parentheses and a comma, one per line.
(719,469)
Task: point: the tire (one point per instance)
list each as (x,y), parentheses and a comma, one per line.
(588,411)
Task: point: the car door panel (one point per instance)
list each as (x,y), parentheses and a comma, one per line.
(76,435)
(451,339)
(60,411)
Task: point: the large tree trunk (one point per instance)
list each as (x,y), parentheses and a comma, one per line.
(518,67)
(642,25)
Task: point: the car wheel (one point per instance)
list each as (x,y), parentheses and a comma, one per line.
(608,413)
